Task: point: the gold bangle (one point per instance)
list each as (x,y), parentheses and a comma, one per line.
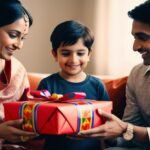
(23,138)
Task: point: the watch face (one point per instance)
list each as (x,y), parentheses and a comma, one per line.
(128,136)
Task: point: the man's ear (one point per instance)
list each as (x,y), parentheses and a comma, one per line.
(54,54)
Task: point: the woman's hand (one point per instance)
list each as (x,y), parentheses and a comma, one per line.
(9,132)
(113,127)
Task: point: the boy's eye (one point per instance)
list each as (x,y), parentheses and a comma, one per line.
(81,53)
(65,53)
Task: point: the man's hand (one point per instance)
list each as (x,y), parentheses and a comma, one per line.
(113,127)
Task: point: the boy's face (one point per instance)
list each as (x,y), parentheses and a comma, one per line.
(72,59)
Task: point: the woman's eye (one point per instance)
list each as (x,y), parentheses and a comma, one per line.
(12,35)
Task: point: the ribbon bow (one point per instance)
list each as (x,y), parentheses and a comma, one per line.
(45,95)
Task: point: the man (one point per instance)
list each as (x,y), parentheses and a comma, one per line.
(134,131)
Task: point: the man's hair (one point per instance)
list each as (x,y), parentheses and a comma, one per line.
(69,32)
(141,13)
(11,11)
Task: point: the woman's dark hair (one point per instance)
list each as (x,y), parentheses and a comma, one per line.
(141,13)
(69,32)
(12,10)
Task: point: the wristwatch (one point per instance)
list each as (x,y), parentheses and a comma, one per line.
(128,134)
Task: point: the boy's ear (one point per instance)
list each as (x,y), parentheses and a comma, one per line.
(90,53)
(54,54)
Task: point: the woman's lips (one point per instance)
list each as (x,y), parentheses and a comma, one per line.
(9,51)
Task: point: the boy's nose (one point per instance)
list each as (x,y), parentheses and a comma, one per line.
(74,57)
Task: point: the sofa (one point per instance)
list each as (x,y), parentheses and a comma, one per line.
(116,90)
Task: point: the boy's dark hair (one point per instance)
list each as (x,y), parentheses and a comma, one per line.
(141,13)
(12,10)
(69,32)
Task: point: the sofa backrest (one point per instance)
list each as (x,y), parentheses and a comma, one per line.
(115,87)
(116,90)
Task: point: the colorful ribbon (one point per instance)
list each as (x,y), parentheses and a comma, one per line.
(46,96)
(28,112)
(85,116)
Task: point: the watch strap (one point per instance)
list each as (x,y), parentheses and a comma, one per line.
(128,135)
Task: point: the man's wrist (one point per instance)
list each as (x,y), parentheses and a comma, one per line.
(124,126)
(128,134)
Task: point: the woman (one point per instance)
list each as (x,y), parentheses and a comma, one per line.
(14,25)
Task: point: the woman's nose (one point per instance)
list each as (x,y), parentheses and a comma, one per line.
(18,44)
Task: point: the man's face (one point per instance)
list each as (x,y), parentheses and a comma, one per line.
(141,33)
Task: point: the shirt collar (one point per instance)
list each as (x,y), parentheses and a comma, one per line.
(147,70)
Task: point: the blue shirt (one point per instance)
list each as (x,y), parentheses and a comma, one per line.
(92,86)
(94,89)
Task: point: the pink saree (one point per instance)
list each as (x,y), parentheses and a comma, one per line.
(13,82)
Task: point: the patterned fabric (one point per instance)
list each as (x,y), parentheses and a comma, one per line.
(13,82)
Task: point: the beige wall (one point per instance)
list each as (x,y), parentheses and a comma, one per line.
(112,50)
(35,54)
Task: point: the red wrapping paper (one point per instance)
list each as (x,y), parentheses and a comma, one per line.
(55,118)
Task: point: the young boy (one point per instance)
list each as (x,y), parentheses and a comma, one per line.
(71,48)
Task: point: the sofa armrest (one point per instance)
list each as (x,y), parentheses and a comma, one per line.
(34,79)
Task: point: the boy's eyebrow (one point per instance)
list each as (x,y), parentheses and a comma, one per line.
(76,50)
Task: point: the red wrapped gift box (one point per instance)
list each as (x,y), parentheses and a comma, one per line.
(57,118)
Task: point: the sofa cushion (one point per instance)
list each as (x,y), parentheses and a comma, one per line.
(34,79)
(116,90)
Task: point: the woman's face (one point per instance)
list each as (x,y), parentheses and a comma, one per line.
(12,37)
